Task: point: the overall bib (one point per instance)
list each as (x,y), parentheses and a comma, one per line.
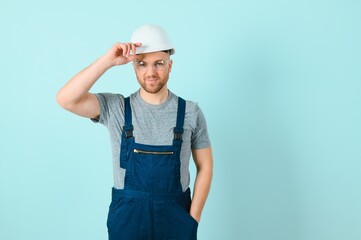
(152,204)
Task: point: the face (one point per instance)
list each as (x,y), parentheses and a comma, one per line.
(152,70)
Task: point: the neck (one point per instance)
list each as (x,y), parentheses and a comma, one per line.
(154,98)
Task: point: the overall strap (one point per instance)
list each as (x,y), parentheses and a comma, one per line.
(178,130)
(128,126)
(127,134)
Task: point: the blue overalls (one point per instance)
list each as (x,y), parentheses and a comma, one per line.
(152,204)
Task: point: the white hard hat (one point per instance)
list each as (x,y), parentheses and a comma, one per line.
(153,38)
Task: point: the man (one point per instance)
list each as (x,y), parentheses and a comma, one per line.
(153,132)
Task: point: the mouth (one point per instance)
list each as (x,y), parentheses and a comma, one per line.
(151,80)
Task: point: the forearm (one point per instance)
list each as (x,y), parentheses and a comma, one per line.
(82,82)
(202,186)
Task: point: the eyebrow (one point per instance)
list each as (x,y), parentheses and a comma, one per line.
(154,61)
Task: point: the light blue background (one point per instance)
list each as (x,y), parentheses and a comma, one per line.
(279,83)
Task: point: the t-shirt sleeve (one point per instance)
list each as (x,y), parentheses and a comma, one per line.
(200,138)
(107,102)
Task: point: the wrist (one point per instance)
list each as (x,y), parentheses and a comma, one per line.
(105,62)
(196,215)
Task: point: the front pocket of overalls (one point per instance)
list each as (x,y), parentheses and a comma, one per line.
(181,224)
(183,211)
(154,170)
(123,217)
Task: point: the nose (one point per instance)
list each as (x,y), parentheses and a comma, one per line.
(151,70)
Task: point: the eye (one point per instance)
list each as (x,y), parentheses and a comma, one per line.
(160,63)
(141,64)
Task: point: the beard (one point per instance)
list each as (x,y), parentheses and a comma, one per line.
(152,87)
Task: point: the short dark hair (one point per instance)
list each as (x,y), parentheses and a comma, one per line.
(167,51)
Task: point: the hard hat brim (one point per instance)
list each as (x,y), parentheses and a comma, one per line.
(145,49)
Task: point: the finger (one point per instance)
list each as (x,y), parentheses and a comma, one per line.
(133,49)
(132,58)
(117,47)
(129,49)
(124,49)
(138,44)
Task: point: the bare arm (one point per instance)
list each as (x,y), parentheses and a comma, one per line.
(204,163)
(74,96)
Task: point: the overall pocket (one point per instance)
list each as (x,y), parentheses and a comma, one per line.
(154,170)
(183,212)
(123,217)
(181,224)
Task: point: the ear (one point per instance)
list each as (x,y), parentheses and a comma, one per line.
(170,65)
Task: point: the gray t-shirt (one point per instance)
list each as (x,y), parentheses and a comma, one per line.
(153,125)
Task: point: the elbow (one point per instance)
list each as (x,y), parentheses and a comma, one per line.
(62,100)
